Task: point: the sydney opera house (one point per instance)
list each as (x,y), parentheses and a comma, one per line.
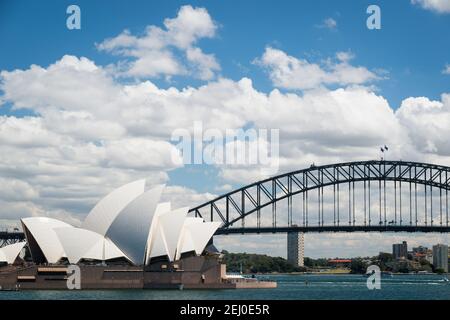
(128,240)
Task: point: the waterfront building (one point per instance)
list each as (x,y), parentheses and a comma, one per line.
(340,263)
(295,248)
(429,256)
(420,249)
(129,225)
(400,250)
(419,253)
(440,257)
(129,240)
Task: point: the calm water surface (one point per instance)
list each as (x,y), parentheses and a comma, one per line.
(300,287)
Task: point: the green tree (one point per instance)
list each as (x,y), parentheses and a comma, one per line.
(358,266)
(255,263)
(439,271)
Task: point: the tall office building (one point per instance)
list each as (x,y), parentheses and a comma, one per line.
(400,250)
(295,248)
(440,257)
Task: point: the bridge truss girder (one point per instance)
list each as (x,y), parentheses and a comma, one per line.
(235,206)
(7,238)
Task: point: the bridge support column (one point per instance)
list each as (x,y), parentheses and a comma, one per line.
(296,248)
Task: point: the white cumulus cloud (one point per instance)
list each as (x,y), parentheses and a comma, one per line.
(428,123)
(440,6)
(88,132)
(170,51)
(290,72)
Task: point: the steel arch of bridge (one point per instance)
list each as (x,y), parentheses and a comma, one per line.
(236,205)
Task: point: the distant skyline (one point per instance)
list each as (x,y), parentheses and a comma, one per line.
(85,111)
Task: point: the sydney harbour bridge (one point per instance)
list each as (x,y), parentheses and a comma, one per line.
(362,196)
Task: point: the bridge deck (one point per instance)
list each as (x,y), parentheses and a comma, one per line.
(12,235)
(305,229)
(316,229)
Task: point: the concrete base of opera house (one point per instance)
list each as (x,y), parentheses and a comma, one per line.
(196,272)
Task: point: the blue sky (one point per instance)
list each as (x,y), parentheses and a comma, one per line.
(412,44)
(63,123)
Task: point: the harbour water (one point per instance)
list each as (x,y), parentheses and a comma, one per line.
(290,287)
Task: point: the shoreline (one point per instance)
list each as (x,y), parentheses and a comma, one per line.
(336,273)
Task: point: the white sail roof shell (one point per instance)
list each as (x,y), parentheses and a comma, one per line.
(165,231)
(186,241)
(42,230)
(172,223)
(156,245)
(195,235)
(129,231)
(202,233)
(128,223)
(159,244)
(110,250)
(107,209)
(10,252)
(86,244)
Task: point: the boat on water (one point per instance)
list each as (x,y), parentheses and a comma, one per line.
(384,274)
